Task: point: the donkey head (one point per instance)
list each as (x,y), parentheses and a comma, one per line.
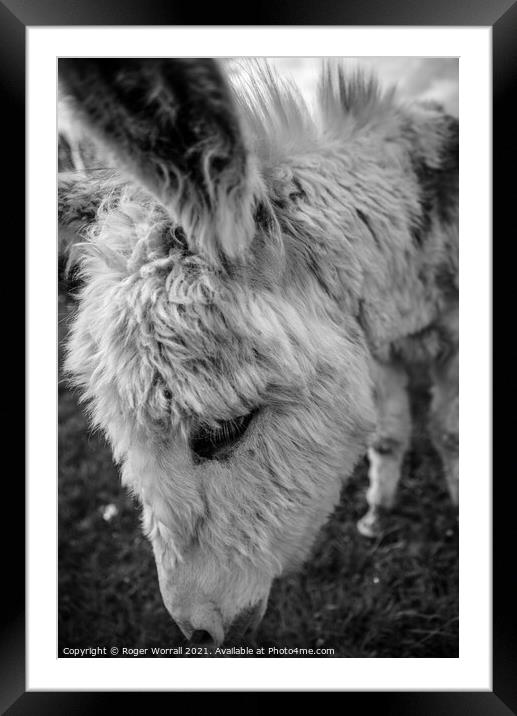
(214,342)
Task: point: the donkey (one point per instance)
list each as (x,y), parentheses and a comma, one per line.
(257,280)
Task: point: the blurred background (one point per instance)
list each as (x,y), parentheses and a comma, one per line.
(416,78)
(395,596)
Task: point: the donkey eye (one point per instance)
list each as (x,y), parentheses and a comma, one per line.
(208,443)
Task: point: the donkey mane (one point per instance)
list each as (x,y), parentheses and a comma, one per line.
(279,120)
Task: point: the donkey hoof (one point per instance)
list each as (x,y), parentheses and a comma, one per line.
(370,524)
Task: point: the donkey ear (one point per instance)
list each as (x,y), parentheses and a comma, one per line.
(173,125)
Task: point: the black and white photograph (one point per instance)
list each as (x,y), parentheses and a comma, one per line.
(242,232)
(258,441)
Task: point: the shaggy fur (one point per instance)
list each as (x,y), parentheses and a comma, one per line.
(247,281)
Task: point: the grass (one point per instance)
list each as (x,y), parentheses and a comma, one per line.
(396,596)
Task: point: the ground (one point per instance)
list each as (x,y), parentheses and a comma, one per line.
(396,596)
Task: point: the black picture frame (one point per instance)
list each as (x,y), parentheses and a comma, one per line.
(501,15)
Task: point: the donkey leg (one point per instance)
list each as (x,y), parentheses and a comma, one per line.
(444,420)
(388,447)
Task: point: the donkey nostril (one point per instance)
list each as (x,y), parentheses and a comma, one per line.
(200,637)
(201,623)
